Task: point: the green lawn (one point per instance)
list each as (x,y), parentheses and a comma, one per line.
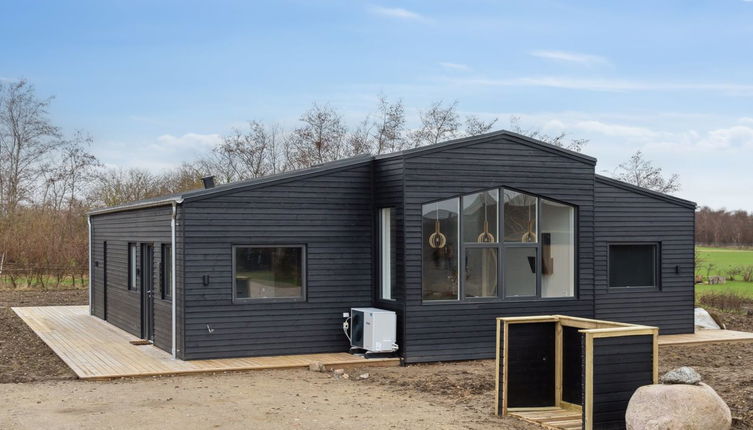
(723,259)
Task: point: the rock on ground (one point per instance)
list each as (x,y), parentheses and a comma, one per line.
(677,407)
(681,375)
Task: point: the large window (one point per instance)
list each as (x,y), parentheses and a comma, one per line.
(633,265)
(386,254)
(132,266)
(167,272)
(269,272)
(510,245)
(440,250)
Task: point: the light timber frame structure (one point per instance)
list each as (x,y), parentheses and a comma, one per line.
(555,363)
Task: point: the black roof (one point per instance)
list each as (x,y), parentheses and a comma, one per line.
(646,191)
(347,162)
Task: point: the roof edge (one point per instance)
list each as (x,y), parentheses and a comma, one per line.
(480,137)
(135,205)
(645,191)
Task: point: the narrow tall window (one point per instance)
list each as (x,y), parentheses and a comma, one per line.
(132,266)
(557,249)
(167,271)
(440,250)
(480,244)
(269,272)
(386,254)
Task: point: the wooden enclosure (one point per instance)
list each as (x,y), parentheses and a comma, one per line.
(569,373)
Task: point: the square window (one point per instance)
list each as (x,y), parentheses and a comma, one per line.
(633,265)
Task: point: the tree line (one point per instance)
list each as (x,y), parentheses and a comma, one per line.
(724,228)
(50,179)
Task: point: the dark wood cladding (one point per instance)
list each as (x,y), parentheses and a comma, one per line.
(620,366)
(331,213)
(150,225)
(466,330)
(625,215)
(531,365)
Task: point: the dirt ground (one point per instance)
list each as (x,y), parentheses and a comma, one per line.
(438,396)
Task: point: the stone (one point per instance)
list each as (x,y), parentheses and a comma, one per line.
(339,372)
(346,376)
(317,366)
(363,376)
(677,407)
(681,375)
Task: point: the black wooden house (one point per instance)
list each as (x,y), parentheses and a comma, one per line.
(449,236)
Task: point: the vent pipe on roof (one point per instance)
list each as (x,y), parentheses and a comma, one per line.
(208,182)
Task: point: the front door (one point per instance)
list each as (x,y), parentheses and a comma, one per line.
(147,291)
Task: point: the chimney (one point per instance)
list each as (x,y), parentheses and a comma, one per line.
(208,182)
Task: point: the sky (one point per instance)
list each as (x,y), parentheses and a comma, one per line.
(156,83)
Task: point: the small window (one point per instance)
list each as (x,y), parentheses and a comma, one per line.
(633,265)
(167,271)
(386,254)
(132,266)
(269,272)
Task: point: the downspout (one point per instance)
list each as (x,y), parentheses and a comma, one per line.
(91,267)
(173,279)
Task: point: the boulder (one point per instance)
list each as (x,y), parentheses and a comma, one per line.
(681,375)
(317,366)
(677,406)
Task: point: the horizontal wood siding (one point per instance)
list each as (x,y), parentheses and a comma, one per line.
(460,331)
(331,213)
(620,366)
(150,225)
(388,193)
(623,215)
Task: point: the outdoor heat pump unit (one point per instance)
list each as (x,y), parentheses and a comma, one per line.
(372,330)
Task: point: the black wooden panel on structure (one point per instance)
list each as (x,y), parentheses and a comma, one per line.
(572,365)
(620,366)
(531,364)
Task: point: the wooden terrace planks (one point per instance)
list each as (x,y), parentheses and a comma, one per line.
(95,349)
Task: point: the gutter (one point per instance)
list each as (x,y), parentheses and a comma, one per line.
(91,266)
(128,207)
(173,278)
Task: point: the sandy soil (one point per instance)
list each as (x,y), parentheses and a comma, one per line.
(440,395)
(283,399)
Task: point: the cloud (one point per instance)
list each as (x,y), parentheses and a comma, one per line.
(396,12)
(189,141)
(607,85)
(609,129)
(571,57)
(455,66)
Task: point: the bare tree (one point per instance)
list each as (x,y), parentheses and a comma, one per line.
(562,140)
(27,137)
(117,186)
(637,170)
(389,126)
(322,138)
(438,123)
(246,154)
(475,125)
(66,181)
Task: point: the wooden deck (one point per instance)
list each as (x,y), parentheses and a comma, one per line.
(95,349)
(552,418)
(704,336)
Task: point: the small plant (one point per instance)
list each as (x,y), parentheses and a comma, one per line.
(747,273)
(732,272)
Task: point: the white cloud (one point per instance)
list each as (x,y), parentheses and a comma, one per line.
(609,129)
(189,141)
(608,85)
(571,57)
(396,12)
(455,66)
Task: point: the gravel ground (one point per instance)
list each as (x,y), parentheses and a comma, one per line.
(438,395)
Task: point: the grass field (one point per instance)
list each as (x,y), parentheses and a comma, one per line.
(723,259)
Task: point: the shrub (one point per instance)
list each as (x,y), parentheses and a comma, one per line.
(725,301)
(747,273)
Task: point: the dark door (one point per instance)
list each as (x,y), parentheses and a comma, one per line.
(104,280)
(147,291)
